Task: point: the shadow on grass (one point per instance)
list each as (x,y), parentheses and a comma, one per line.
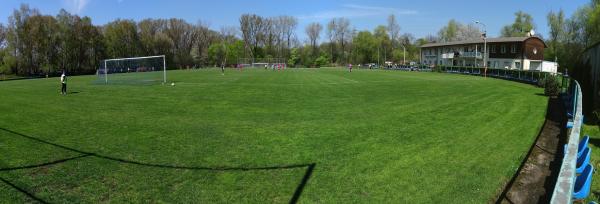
(309,167)
(595,141)
(30,195)
(547,143)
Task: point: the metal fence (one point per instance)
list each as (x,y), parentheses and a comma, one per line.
(564,187)
(511,74)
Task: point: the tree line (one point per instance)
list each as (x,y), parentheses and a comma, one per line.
(33,44)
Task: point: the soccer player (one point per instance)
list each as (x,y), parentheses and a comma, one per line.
(63,82)
(350,67)
(223,69)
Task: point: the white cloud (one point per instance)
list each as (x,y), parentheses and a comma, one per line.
(356,11)
(76,6)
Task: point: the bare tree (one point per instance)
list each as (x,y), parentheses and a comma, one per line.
(393,29)
(468,32)
(280,28)
(183,36)
(343,33)
(147,31)
(456,31)
(270,34)
(331,34)
(313,31)
(251,26)
(203,40)
(228,33)
(2,35)
(289,24)
(406,39)
(431,38)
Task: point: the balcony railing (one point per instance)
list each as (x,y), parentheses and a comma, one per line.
(448,55)
(452,55)
(478,55)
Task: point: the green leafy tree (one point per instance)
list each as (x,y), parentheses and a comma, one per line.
(235,51)
(449,32)
(121,39)
(520,27)
(322,60)
(217,53)
(593,23)
(556,22)
(365,47)
(384,42)
(294,57)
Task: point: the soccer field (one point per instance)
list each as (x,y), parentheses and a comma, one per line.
(263,136)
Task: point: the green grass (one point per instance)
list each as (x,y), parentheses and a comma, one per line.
(375,136)
(594,132)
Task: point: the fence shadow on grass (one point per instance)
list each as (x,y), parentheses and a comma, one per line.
(595,141)
(29,194)
(298,191)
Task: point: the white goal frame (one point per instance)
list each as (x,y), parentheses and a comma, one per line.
(132,58)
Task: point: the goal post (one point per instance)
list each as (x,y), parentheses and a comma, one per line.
(134,70)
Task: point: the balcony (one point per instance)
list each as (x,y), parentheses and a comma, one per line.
(477,55)
(448,55)
(452,55)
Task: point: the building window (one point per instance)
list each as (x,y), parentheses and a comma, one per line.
(492,48)
(513,48)
(507,65)
(518,65)
(503,49)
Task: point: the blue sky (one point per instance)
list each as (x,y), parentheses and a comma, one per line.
(419,17)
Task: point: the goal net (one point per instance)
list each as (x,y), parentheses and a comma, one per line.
(262,63)
(135,70)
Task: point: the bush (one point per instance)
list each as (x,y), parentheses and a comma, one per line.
(541,82)
(551,86)
(321,61)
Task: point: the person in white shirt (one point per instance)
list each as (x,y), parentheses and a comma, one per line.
(63,82)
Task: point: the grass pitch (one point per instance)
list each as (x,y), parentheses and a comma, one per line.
(316,135)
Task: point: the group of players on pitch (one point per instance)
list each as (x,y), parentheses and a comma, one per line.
(273,66)
(279,67)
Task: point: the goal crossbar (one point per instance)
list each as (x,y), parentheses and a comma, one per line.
(130,58)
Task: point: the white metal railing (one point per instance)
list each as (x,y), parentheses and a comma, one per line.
(563,190)
(448,55)
(471,54)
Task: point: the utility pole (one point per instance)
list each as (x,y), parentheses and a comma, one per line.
(484,35)
(404,54)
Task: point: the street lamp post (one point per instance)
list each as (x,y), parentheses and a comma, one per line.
(484,47)
(404,55)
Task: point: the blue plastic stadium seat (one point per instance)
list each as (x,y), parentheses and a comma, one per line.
(570,124)
(583,183)
(583,160)
(582,145)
